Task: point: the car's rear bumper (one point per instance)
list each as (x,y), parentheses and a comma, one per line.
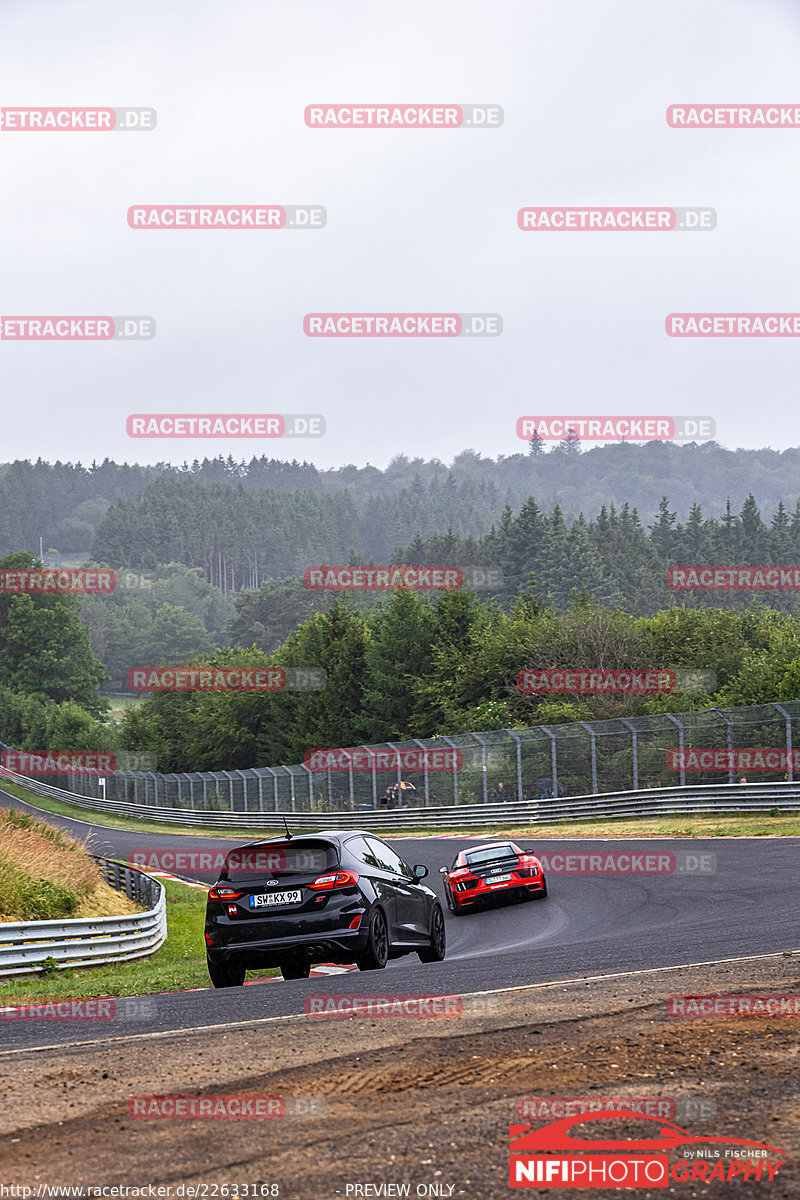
(342,946)
(482,895)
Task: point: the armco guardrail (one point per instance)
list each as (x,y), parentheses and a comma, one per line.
(697,799)
(87,942)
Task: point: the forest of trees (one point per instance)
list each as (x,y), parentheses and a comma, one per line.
(96,509)
(220,549)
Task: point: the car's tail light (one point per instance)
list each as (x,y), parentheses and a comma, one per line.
(527,865)
(464,881)
(356,921)
(337,879)
(222,892)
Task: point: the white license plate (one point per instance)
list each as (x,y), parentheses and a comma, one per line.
(267,899)
(500,879)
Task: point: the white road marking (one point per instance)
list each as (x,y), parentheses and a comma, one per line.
(523,987)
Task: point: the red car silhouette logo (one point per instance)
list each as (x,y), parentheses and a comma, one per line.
(556,1136)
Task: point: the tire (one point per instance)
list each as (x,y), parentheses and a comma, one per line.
(438,947)
(226,974)
(451,904)
(295,969)
(376,954)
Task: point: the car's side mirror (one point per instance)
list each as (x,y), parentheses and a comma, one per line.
(442,870)
(420,871)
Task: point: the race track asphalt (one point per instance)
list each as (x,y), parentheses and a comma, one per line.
(589,925)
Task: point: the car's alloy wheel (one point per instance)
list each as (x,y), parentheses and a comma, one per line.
(438,947)
(376,954)
(226,974)
(295,969)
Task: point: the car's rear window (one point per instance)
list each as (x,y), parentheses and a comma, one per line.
(473,857)
(280,858)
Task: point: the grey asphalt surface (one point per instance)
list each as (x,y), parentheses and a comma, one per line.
(589,925)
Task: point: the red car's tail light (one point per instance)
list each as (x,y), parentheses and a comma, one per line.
(222,892)
(337,879)
(528,865)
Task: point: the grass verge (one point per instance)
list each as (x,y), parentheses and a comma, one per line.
(179,964)
(762,824)
(45,874)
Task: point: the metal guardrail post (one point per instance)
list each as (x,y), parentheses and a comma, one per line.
(789,756)
(729,740)
(478,738)
(244,788)
(593,736)
(635,748)
(518,740)
(675,721)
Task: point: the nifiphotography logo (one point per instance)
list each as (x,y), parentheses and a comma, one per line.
(574,1152)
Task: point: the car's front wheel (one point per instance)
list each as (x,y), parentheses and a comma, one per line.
(438,947)
(226,974)
(376,954)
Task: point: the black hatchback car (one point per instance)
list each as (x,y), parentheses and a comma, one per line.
(291,902)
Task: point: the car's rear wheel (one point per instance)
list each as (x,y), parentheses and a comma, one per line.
(451,904)
(295,969)
(376,954)
(226,974)
(438,947)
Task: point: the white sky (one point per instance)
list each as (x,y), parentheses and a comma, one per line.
(417,221)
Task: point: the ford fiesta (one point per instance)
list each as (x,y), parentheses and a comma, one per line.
(496,868)
(295,901)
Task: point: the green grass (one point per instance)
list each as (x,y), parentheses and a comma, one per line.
(178,965)
(712,825)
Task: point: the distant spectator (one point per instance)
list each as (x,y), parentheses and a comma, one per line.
(500,794)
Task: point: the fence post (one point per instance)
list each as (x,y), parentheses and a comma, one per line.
(424,750)
(483,767)
(593,736)
(455,767)
(635,747)
(789,764)
(553,758)
(675,721)
(729,739)
(517,739)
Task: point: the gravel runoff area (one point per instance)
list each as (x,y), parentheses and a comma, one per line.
(420,1101)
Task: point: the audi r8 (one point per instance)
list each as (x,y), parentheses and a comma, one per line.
(482,873)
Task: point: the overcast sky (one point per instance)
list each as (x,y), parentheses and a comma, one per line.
(418,221)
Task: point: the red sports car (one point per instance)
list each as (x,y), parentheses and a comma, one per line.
(485,871)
